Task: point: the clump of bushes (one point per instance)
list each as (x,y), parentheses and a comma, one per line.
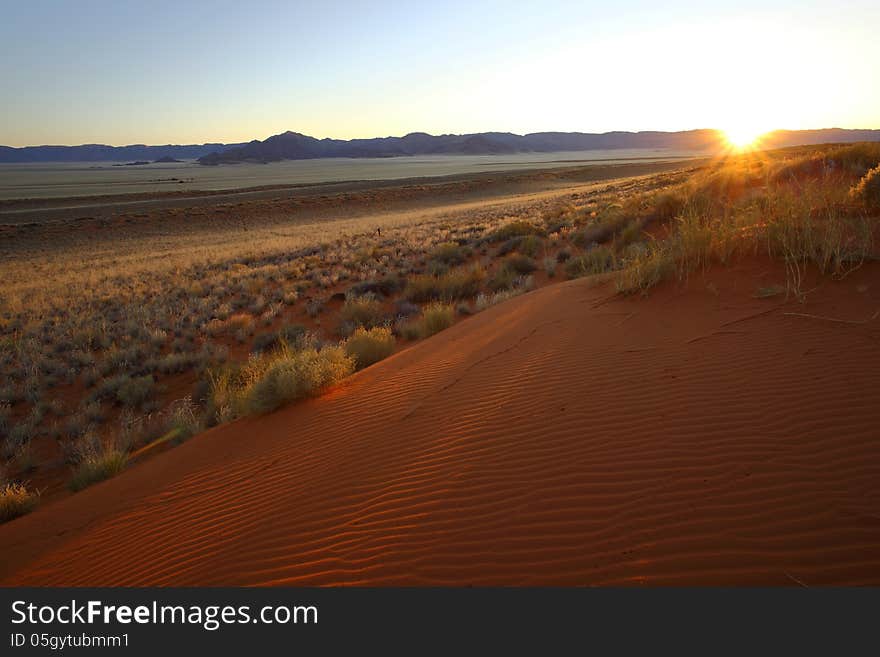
(867,191)
(646,269)
(96,460)
(265,383)
(528,245)
(450,253)
(454,285)
(289,334)
(519,228)
(597,260)
(16,500)
(368,346)
(133,392)
(434,318)
(386,286)
(365,311)
(511,273)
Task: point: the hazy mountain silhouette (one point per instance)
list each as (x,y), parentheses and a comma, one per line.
(296,146)
(102,153)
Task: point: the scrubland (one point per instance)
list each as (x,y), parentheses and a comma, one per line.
(112,350)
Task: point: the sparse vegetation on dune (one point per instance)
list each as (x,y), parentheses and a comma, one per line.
(96,460)
(368,346)
(16,499)
(154,347)
(265,383)
(811,210)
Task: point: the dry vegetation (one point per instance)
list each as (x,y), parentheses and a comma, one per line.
(110,351)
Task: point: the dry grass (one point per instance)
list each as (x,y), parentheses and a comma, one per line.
(113,327)
(368,346)
(16,500)
(96,460)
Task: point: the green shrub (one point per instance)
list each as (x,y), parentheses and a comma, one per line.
(595,261)
(530,245)
(289,334)
(133,392)
(503,279)
(436,317)
(368,346)
(450,253)
(386,286)
(520,264)
(98,467)
(295,375)
(363,311)
(646,270)
(519,228)
(454,285)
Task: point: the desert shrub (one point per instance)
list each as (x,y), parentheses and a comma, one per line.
(183,419)
(16,500)
(174,363)
(520,264)
(519,228)
(363,311)
(96,460)
(456,284)
(667,205)
(404,308)
(508,246)
(813,224)
(435,318)
(484,301)
(386,287)
(646,270)
(314,307)
(5,414)
(856,158)
(133,392)
(450,253)
(19,435)
(630,233)
(511,272)
(289,334)
(530,246)
(368,346)
(597,260)
(504,278)
(563,256)
(867,191)
(550,266)
(294,375)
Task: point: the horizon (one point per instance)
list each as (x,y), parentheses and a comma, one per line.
(222,73)
(398,136)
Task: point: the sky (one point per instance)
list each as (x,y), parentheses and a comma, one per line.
(125,71)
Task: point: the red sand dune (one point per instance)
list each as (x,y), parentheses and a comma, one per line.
(700,436)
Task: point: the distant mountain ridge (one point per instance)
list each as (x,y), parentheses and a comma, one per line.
(103,153)
(295,146)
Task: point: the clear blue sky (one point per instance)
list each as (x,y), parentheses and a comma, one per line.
(120,71)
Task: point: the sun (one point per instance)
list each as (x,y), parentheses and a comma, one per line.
(743,137)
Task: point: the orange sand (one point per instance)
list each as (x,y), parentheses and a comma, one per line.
(700,436)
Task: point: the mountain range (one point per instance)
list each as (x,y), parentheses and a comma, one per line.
(296,146)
